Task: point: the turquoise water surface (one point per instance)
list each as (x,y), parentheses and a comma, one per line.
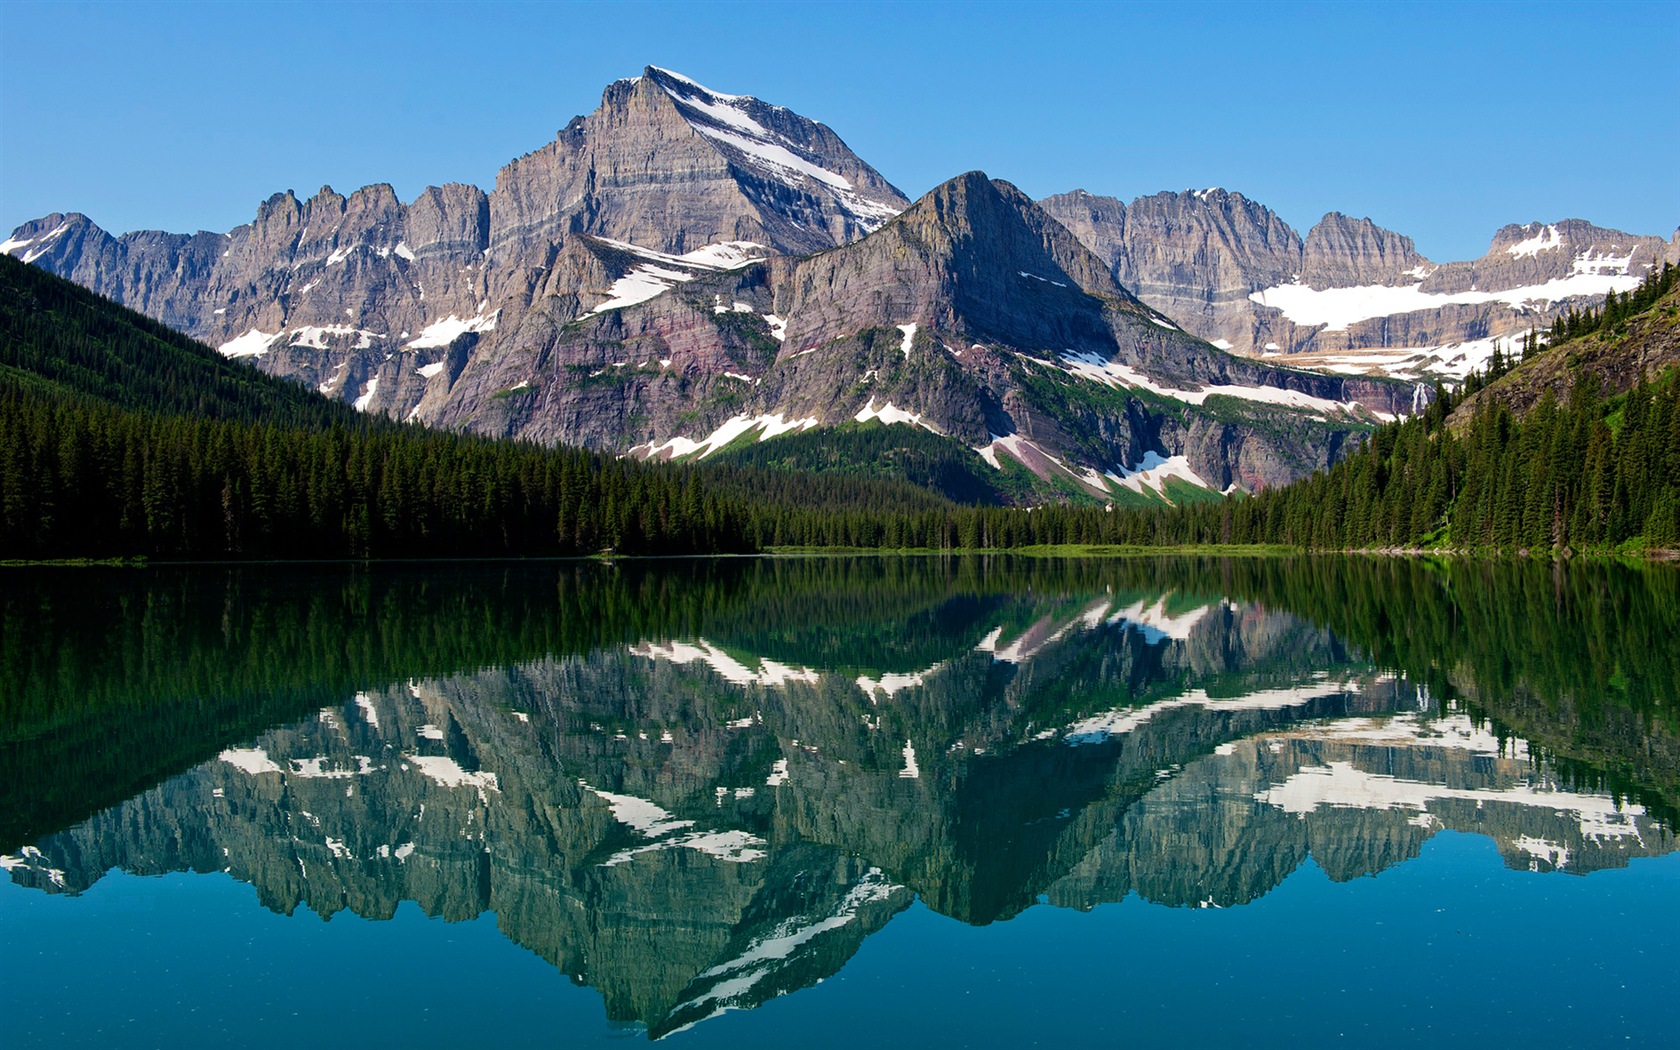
(819,802)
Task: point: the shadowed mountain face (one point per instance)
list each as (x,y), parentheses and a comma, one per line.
(698,787)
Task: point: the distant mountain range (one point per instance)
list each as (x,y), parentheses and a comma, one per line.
(1350,297)
(684,271)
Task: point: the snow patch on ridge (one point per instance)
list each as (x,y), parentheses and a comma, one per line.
(724,255)
(1123,720)
(42,243)
(315,336)
(1115,374)
(664,271)
(724,119)
(1547,240)
(1342,785)
(777,158)
(770,674)
(652,821)
(892,684)
(732,981)
(1157,624)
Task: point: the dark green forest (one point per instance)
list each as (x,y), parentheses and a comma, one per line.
(119,438)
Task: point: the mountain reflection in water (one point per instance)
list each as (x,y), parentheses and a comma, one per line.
(696,788)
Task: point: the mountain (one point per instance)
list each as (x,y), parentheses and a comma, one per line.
(1350,297)
(354,294)
(1573,445)
(972,315)
(683,268)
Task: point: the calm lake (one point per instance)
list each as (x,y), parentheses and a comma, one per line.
(837,802)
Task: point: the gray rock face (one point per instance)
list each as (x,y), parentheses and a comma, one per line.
(1235,274)
(1193,256)
(1341,252)
(670,165)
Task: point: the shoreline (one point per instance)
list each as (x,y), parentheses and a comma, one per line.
(1661,555)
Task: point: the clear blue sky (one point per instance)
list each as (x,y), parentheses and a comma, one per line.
(1442,121)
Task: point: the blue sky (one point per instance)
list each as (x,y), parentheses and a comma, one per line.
(1442,121)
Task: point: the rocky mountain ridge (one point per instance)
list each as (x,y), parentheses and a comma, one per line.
(1350,296)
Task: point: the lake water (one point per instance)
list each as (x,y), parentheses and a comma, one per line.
(842,802)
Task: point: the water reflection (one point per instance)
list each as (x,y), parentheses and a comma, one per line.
(706,805)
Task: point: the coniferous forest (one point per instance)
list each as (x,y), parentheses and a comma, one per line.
(121,438)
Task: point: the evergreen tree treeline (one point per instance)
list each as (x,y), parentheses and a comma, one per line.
(120,438)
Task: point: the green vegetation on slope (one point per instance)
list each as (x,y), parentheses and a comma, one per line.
(875,450)
(61,338)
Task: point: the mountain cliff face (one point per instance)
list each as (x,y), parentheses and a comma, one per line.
(1350,297)
(672,166)
(973,315)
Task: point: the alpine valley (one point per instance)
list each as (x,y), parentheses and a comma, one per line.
(689,274)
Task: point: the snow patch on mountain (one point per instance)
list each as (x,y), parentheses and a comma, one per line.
(909,331)
(1547,240)
(446,331)
(775,157)
(361,403)
(724,255)
(725,120)
(1154,470)
(769,674)
(1336,309)
(640,285)
(1111,373)
(315,336)
(893,684)
(252,344)
(12,244)
(770,426)
(887,413)
(1341,785)
(1120,721)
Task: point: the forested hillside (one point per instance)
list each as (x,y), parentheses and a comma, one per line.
(119,439)
(59,339)
(1576,445)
